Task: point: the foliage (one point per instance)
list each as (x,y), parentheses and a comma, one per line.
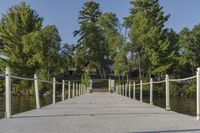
(121,62)
(85,79)
(149,37)
(91,41)
(116,49)
(190,48)
(19,21)
(27,47)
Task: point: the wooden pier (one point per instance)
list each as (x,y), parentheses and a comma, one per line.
(99,113)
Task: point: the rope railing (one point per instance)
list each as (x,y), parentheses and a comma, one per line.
(122,90)
(183,79)
(45,81)
(137,84)
(21,78)
(32,79)
(74,89)
(146,83)
(159,82)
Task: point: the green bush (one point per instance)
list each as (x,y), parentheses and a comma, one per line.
(85,79)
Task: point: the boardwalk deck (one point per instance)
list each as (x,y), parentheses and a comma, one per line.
(99,113)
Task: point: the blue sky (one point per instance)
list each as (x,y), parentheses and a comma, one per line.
(64,13)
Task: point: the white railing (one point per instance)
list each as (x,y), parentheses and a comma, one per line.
(122,89)
(77,89)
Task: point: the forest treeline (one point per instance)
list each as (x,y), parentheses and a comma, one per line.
(140,47)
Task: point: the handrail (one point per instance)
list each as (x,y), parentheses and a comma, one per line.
(183,79)
(45,81)
(16,77)
(146,83)
(32,79)
(158,82)
(137,84)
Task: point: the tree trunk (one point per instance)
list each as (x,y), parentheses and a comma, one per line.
(100,72)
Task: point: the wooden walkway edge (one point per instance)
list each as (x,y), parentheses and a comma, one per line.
(99,113)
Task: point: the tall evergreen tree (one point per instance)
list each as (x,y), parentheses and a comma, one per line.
(19,21)
(27,47)
(91,41)
(42,52)
(110,25)
(148,36)
(189,43)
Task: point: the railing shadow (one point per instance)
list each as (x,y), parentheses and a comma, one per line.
(128,107)
(88,114)
(170,131)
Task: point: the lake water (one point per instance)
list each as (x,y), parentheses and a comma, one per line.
(179,104)
(24,103)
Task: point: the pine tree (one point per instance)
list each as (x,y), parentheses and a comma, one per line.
(110,25)
(149,37)
(27,47)
(91,41)
(19,21)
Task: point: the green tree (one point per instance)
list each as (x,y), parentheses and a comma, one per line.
(91,41)
(42,52)
(19,21)
(149,37)
(27,47)
(110,25)
(120,65)
(189,43)
(67,53)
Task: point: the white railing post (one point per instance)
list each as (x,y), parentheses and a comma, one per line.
(73,92)
(151,91)
(126,90)
(120,89)
(54,90)
(76,89)
(37,97)
(79,89)
(109,84)
(167,93)
(198,93)
(63,90)
(84,88)
(141,91)
(134,90)
(129,90)
(69,90)
(8,92)
(123,90)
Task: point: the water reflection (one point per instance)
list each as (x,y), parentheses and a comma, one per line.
(23,103)
(179,104)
